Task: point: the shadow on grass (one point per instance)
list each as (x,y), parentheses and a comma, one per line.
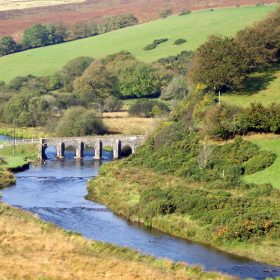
(259,81)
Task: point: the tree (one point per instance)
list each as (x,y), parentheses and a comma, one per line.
(139,80)
(7,45)
(176,89)
(148,108)
(96,82)
(261,42)
(165,13)
(78,121)
(58,33)
(117,22)
(220,64)
(73,69)
(36,36)
(83,29)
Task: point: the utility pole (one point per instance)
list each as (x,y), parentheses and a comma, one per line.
(14,149)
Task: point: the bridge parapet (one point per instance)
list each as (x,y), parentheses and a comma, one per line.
(95,142)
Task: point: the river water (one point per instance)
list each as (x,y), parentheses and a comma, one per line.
(55,191)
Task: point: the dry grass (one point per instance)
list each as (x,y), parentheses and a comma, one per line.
(121,122)
(31,249)
(6,5)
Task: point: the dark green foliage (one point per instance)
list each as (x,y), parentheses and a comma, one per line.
(77,121)
(148,108)
(117,22)
(180,63)
(224,121)
(165,13)
(230,218)
(155,43)
(108,104)
(73,69)
(261,42)
(160,41)
(259,162)
(7,45)
(83,29)
(150,47)
(184,12)
(42,35)
(220,64)
(179,41)
(176,89)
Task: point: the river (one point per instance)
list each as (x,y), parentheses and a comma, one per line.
(55,191)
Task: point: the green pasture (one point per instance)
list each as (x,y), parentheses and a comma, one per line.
(272,173)
(194,27)
(261,88)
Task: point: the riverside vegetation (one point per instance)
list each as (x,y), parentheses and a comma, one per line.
(55,253)
(183,184)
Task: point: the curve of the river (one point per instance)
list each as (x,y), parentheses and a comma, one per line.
(55,191)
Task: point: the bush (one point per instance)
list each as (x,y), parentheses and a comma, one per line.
(150,47)
(160,41)
(220,64)
(179,42)
(165,13)
(78,121)
(259,162)
(155,43)
(148,108)
(184,12)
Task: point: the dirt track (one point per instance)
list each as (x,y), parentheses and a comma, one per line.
(15,21)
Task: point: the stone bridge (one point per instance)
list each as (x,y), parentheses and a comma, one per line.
(116,142)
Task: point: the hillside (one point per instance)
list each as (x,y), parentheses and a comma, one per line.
(261,87)
(195,28)
(193,188)
(13,22)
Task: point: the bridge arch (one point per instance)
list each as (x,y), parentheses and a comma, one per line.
(95,142)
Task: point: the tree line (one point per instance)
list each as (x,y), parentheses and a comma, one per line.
(86,87)
(41,35)
(224,63)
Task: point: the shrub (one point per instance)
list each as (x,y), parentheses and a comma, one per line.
(184,12)
(165,13)
(150,47)
(160,41)
(179,42)
(78,121)
(148,108)
(176,89)
(220,64)
(259,162)
(155,43)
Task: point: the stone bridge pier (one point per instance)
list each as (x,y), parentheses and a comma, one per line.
(95,142)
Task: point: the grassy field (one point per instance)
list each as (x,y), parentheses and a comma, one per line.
(122,123)
(23,154)
(32,249)
(6,5)
(270,174)
(195,28)
(261,88)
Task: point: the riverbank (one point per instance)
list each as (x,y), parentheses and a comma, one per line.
(119,186)
(24,154)
(47,252)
